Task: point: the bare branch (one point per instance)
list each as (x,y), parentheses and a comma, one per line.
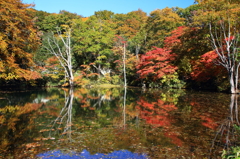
(63,54)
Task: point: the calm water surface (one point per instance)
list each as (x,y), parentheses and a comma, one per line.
(104,122)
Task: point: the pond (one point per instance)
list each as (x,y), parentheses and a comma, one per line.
(116,123)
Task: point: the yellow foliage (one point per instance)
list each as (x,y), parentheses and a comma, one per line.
(2,119)
(3,44)
(19,31)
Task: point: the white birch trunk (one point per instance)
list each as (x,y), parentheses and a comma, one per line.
(124,65)
(225,43)
(63,54)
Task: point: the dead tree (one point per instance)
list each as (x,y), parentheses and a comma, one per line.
(225,41)
(60,47)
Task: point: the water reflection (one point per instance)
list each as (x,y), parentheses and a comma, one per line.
(227,135)
(158,123)
(64,118)
(122,154)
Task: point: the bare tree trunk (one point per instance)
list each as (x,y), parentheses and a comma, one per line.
(225,43)
(63,54)
(137,49)
(233,84)
(124,65)
(103,71)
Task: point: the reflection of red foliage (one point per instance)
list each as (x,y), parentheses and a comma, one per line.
(142,102)
(157,120)
(208,122)
(157,114)
(174,138)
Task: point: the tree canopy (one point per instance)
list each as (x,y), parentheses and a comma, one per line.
(171,45)
(18,41)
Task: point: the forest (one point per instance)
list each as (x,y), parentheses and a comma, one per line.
(195,47)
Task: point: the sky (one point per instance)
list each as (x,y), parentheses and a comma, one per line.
(87,8)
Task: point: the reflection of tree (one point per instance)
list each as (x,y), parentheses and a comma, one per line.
(124,105)
(17,127)
(227,136)
(65,116)
(101,99)
(91,108)
(157,114)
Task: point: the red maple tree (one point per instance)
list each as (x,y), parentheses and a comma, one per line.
(205,68)
(156,63)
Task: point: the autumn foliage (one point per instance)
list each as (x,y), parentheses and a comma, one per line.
(205,68)
(18,39)
(157,114)
(174,40)
(155,64)
(169,47)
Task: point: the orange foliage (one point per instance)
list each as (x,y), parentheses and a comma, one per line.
(18,41)
(84,19)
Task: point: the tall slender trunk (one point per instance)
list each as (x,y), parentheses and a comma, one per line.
(137,49)
(69,61)
(232,82)
(124,65)
(71,81)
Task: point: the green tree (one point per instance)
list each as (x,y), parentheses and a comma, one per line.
(93,43)
(38,16)
(104,15)
(187,13)
(137,21)
(128,25)
(51,21)
(159,25)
